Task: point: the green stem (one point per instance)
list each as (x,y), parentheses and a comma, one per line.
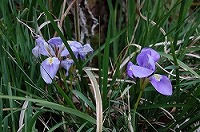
(174,47)
(135,109)
(77,28)
(143,84)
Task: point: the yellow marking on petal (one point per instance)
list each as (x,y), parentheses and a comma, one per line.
(157,77)
(50,60)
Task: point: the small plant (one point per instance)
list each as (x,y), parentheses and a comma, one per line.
(146,61)
(58,55)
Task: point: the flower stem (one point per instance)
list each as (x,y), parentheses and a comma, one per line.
(135,109)
(76,19)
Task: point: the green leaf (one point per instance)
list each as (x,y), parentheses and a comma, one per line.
(54,106)
(83,98)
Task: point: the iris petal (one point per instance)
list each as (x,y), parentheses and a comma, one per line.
(162,84)
(55,41)
(49,68)
(49,49)
(152,53)
(65,52)
(151,64)
(40,41)
(129,70)
(83,51)
(75,44)
(143,59)
(145,55)
(43,47)
(146,61)
(35,51)
(138,71)
(67,64)
(41,44)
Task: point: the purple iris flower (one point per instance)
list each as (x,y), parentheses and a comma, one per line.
(53,50)
(58,55)
(78,49)
(146,61)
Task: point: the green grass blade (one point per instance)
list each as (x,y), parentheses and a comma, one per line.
(83,98)
(54,106)
(57,126)
(183,65)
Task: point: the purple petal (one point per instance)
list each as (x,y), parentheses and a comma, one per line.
(49,49)
(41,44)
(146,61)
(44,48)
(142,59)
(138,71)
(151,63)
(65,52)
(61,49)
(67,64)
(152,53)
(35,51)
(40,41)
(162,84)
(129,69)
(55,41)
(49,68)
(75,44)
(83,51)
